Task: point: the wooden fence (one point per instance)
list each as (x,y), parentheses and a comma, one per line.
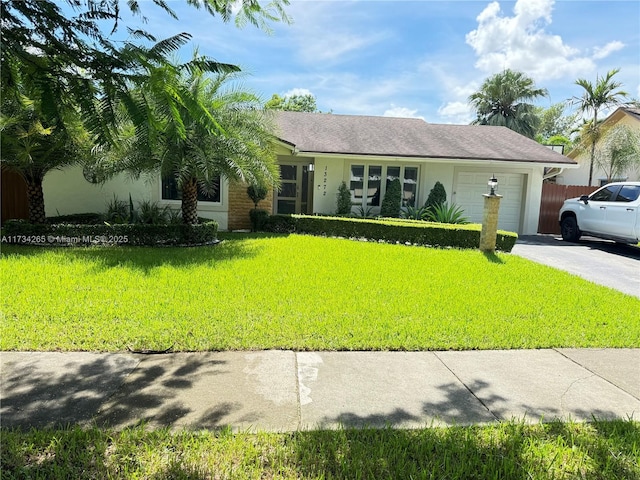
(553,196)
(14,196)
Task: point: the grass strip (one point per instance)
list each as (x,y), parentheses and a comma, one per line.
(599,450)
(302,293)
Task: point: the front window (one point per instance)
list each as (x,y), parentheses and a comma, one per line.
(369,183)
(170,191)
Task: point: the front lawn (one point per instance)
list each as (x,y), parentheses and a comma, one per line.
(601,450)
(302,293)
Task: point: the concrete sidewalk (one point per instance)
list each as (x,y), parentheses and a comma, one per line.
(284,390)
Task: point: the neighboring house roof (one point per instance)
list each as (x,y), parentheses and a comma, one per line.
(408,137)
(615,117)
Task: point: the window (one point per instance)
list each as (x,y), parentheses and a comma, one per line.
(604,194)
(368,188)
(628,193)
(410,186)
(170,191)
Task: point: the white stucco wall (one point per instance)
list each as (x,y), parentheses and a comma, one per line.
(66,192)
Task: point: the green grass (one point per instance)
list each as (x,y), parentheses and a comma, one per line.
(302,293)
(599,450)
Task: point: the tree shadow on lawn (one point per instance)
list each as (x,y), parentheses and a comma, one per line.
(147,258)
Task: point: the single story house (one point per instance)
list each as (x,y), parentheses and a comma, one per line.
(317,151)
(580,176)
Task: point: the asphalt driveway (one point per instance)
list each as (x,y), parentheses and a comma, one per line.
(599,261)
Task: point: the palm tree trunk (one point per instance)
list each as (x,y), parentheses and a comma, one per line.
(593,144)
(35,197)
(190,202)
(593,154)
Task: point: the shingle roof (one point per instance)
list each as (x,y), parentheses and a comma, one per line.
(408,137)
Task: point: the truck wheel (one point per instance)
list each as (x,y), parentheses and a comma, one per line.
(569,229)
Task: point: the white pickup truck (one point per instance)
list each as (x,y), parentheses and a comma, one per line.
(612,212)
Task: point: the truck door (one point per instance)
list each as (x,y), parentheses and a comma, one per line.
(621,216)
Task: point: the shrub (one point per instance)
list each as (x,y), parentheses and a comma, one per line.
(402,231)
(280,224)
(391,201)
(258,218)
(78,218)
(445,213)
(344,200)
(152,214)
(118,211)
(364,212)
(257,193)
(413,213)
(437,196)
(20,232)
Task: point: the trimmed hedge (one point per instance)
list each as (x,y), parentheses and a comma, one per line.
(397,230)
(24,233)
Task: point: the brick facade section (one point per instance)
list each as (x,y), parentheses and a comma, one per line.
(240,204)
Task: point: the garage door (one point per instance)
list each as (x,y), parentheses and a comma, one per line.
(470,186)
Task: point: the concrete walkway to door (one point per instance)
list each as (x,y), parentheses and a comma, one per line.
(599,261)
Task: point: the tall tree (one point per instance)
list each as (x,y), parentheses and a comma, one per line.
(37,136)
(605,93)
(502,101)
(553,122)
(293,103)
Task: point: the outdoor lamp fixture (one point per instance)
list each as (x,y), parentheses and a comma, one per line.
(493,185)
(312,167)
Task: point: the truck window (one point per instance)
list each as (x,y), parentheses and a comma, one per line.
(604,194)
(628,193)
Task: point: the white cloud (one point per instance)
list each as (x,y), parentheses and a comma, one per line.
(297,91)
(456,112)
(608,49)
(402,112)
(521,42)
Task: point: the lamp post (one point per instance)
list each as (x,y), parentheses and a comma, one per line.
(489,231)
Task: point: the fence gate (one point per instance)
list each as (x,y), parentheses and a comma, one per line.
(553,196)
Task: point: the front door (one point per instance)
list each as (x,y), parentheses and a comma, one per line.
(294,195)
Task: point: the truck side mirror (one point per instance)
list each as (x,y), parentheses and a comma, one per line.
(584,198)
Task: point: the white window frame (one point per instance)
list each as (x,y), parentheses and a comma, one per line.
(383,182)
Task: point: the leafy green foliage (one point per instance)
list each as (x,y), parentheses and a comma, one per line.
(118,211)
(501,101)
(414,213)
(391,202)
(437,196)
(399,231)
(445,213)
(257,193)
(553,122)
(344,200)
(258,219)
(95,303)
(618,152)
(292,103)
(134,234)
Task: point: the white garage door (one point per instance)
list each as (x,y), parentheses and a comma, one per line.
(470,186)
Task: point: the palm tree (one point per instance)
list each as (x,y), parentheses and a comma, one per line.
(501,102)
(604,94)
(199,130)
(38,134)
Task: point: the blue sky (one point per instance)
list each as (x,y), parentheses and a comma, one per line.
(418,58)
